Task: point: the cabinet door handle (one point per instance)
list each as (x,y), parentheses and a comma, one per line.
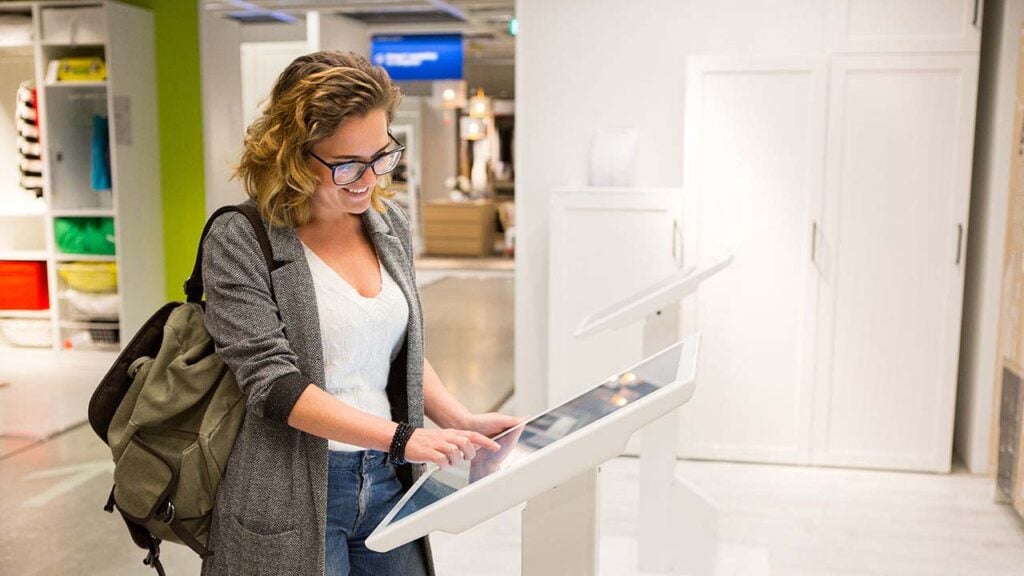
(814,240)
(959,242)
(974,21)
(677,242)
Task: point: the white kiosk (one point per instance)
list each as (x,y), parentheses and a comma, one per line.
(678,525)
(549,463)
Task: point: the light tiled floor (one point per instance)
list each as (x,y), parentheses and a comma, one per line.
(46,392)
(11,444)
(469,337)
(786,521)
(794,521)
(448,263)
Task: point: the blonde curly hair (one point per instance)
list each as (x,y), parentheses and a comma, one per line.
(312,97)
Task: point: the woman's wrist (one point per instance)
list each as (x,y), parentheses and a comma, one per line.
(396,450)
(458,419)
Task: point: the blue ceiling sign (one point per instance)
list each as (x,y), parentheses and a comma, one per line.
(419,57)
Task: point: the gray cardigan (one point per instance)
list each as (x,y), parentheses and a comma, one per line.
(270,511)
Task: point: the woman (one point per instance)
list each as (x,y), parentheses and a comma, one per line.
(328,347)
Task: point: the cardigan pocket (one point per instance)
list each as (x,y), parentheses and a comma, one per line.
(255,554)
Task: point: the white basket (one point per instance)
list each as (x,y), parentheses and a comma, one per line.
(27,333)
(15,30)
(94,307)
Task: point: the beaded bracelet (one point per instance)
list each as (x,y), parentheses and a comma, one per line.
(396,453)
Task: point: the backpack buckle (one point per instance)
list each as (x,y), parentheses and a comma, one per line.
(168,515)
(153,558)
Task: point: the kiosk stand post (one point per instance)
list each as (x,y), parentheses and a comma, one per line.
(560,529)
(677,527)
(677,524)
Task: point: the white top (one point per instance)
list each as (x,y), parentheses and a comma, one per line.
(360,338)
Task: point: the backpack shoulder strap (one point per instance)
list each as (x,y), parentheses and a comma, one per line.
(194,285)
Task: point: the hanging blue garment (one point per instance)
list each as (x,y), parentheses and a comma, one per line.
(100,153)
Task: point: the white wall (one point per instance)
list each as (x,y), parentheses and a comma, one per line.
(987,231)
(221,71)
(582,65)
(262,64)
(294,32)
(341,33)
(438,153)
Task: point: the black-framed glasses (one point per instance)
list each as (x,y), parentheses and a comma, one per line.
(350,171)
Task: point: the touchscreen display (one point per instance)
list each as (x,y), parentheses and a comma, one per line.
(532,435)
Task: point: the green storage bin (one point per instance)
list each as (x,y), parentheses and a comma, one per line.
(93,236)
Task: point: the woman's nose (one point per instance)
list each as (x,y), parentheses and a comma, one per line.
(368,179)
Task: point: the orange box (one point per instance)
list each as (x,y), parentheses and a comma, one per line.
(23,286)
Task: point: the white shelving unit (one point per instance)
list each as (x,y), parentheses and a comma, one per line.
(407,189)
(123,36)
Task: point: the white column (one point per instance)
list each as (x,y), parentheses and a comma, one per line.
(560,529)
(657,542)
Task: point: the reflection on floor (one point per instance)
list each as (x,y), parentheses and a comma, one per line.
(464,263)
(793,521)
(469,337)
(45,392)
(11,444)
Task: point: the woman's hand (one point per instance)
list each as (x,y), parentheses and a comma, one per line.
(446,447)
(491,424)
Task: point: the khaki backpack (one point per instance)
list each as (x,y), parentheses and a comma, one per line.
(170,409)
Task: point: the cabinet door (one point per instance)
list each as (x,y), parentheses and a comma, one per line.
(898,167)
(753,171)
(905,25)
(604,246)
(262,63)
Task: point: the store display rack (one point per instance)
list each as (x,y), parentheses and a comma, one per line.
(70,121)
(405,182)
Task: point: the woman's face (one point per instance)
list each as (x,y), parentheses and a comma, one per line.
(357,138)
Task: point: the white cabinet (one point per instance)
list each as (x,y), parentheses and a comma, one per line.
(605,244)
(262,64)
(80,124)
(898,169)
(753,189)
(69,25)
(833,338)
(905,25)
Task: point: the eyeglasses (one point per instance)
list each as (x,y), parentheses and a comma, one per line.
(351,170)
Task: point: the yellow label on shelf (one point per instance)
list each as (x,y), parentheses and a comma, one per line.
(89,69)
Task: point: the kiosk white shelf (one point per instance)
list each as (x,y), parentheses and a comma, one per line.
(549,463)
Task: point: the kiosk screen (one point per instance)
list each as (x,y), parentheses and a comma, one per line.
(522,441)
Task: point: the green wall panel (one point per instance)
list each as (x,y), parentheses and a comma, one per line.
(181,133)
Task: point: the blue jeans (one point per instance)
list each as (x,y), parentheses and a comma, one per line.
(361,489)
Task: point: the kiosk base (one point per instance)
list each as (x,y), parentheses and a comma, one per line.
(677,524)
(560,529)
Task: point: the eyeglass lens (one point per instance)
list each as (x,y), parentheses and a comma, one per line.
(349,172)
